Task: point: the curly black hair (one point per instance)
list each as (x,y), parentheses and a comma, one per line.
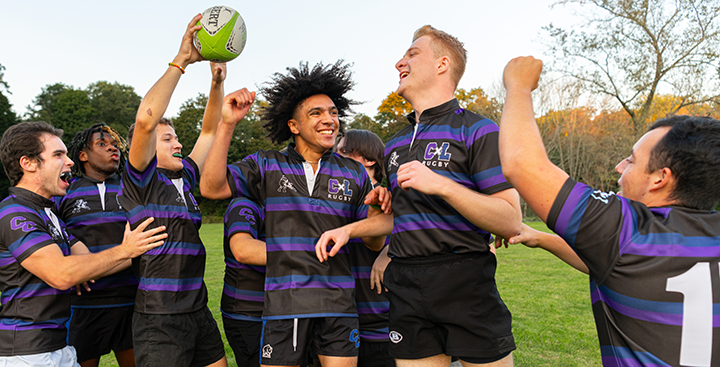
(285,92)
(83,139)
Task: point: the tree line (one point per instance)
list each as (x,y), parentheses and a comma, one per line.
(622,66)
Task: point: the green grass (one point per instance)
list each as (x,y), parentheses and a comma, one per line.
(549,301)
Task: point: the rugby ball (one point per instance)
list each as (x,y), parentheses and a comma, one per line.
(223,34)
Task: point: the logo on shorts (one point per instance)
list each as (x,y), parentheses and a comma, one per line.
(285,184)
(395,337)
(355,337)
(267,351)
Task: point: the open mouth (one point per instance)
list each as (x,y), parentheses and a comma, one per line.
(177,155)
(404,74)
(326,132)
(65,177)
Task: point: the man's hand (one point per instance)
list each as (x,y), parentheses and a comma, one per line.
(381,197)
(528,236)
(188,54)
(337,238)
(139,241)
(377,274)
(219,71)
(78,288)
(522,74)
(236,105)
(418,176)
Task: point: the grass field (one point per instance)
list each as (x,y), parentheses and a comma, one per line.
(549,301)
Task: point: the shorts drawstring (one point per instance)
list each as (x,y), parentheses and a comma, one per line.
(295,325)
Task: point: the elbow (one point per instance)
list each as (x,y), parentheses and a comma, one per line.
(62,282)
(207,191)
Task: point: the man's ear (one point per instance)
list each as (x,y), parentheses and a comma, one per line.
(27,164)
(83,156)
(293,125)
(369,163)
(443,65)
(663,179)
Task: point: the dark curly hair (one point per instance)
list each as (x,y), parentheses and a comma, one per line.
(286,92)
(83,139)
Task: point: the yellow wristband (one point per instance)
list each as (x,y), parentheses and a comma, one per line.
(177,66)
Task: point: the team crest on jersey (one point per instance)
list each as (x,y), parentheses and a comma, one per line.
(393,160)
(285,184)
(339,190)
(395,337)
(23,224)
(79,206)
(602,196)
(248,214)
(267,351)
(433,150)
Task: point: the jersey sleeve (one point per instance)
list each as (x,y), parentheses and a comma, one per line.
(596,224)
(193,172)
(135,183)
(481,140)
(362,208)
(245,177)
(245,216)
(24,232)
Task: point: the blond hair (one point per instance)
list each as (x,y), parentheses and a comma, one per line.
(444,44)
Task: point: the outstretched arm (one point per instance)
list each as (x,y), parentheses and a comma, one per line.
(524,161)
(213,181)
(62,272)
(212,116)
(497,213)
(550,242)
(153,106)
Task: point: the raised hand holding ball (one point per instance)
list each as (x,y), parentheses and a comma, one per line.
(223,34)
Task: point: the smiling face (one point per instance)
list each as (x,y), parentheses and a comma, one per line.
(635,180)
(417,68)
(168,148)
(47,173)
(102,158)
(315,125)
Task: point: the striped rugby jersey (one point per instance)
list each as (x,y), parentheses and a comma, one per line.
(454,143)
(373,308)
(244,289)
(297,285)
(99,222)
(33,314)
(171,276)
(654,276)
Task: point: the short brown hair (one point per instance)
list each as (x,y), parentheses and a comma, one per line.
(23,140)
(163,121)
(446,45)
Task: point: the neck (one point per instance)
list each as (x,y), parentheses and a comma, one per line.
(100,176)
(426,102)
(30,185)
(310,155)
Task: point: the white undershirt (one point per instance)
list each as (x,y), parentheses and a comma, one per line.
(179,185)
(101,189)
(310,175)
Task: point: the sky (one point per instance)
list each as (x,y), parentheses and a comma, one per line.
(131,42)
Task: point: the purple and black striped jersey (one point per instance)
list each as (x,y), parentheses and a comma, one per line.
(171,276)
(297,285)
(33,314)
(654,276)
(372,307)
(244,288)
(99,222)
(456,144)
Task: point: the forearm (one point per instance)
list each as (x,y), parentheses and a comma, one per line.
(557,246)
(500,215)
(69,271)
(213,181)
(372,230)
(522,153)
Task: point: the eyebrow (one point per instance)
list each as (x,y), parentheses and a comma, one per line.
(60,151)
(411,48)
(333,108)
